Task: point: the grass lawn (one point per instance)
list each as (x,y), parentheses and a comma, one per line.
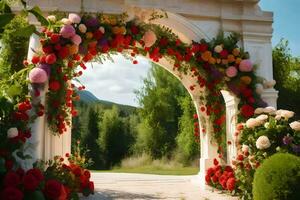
(155,170)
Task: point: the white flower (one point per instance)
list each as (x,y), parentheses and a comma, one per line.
(101,28)
(262,117)
(66,21)
(278,148)
(245,148)
(286,114)
(278,117)
(12,132)
(269,84)
(74,18)
(82,28)
(295,125)
(258,111)
(263,142)
(252,123)
(259,88)
(51,18)
(269,110)
(218,48)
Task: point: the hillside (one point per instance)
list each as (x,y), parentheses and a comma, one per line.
(87,97)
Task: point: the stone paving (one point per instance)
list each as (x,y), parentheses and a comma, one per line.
(125,186)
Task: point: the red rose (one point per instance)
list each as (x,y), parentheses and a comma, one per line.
(203,47)
(53,189)
(35,59)
(50,59)
(214,179)
(9,164)
(228,169)
(230,184)
(11,179)
(97,34)
(63,52)
(47,49)
(210,171)
(54,85)
(91,186)
(247,111)
(30,182)
(20,172)
(55,38)
(36,173)
(76,171)
(87,174)
(240,157)
(216,162)
(134,30)
(224,53)
(218,173)
(11,193)
(207,179)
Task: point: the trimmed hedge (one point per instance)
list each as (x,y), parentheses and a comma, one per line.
(278,178)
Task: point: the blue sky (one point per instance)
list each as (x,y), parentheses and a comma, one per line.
(286,21)
(117,81)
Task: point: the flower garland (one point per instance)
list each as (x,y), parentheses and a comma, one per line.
(74,41)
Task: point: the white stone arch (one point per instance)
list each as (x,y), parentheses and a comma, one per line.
(190,20)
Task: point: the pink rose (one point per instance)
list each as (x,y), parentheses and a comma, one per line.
(231,71)
(76,39)
(38,75)
(74,18)
(246,66)
(67,31)
(149,38)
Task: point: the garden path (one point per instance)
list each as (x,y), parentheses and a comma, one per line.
(127,186)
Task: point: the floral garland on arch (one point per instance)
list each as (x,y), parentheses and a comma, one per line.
(74,41)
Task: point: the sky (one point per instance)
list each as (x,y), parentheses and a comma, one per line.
(117,81)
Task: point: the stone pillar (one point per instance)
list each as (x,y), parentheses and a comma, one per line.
(231,103)
(207,145)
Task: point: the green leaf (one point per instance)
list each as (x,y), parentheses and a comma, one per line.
(26,31)
(36,195)
(14,90)
(36,11)
(5,18)
(4,8)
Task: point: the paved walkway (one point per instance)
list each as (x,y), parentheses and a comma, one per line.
(142,186)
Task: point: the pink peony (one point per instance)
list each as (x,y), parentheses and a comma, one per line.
(76,39)
(74,18)
(246,66)
(67,31)
(149,38)
(231,71)
(38,75)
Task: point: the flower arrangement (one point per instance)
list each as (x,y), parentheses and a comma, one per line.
(221,177)
(268,132)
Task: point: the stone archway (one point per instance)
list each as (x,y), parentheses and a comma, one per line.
(255,40)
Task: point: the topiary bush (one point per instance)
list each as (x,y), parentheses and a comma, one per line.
(278,178)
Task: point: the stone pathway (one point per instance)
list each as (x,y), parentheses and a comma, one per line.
(125,186)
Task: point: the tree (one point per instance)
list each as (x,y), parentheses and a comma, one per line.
(159,113)
(286,69)
(114,138)
(187,147)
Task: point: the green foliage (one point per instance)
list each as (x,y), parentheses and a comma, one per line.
(114,138)
(14,47)
(286,69)
(187,148)
(278,178)
(160,112)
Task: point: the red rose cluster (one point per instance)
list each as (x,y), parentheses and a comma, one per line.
(221,177)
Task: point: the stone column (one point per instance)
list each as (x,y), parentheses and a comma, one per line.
(208,147)
(231,103)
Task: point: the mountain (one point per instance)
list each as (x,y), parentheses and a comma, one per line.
(87,97)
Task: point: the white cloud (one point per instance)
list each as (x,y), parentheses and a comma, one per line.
(115,81)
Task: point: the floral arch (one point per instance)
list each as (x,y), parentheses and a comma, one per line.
(213,71)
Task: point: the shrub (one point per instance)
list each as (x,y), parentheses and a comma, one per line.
(278,178)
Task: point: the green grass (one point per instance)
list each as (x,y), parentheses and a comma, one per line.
(155,170)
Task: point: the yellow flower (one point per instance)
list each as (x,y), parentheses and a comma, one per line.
(89,35)
(246,80)
(119,30)
(212,60)
(238,60)
(231,58)
(236,51)
(206,56)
